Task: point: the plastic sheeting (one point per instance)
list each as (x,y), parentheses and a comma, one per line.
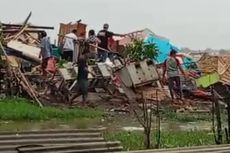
(208,80)
(163,45)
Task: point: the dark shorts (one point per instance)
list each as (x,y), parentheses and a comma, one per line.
(83,86)
(92,55)
(174,84)
(68,56)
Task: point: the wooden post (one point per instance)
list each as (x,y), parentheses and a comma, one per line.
(218,118)
(228,110)
(158,121)
(148,124)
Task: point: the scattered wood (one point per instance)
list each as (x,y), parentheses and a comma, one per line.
(16,72)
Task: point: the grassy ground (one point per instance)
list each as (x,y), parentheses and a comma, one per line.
(22,109)
(185,117)
(169,139)
(170,115)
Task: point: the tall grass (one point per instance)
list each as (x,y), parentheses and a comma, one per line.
(168,114)
(185,117)
(169,139)
(22,109)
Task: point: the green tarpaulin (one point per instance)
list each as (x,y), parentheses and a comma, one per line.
(208,80)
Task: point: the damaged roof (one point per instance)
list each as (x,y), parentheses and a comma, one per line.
(220,64)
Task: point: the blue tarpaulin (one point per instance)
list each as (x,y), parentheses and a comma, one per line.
(163,45)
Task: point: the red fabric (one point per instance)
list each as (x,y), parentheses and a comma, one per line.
(200,93)
(112,44)
(116,80)
(51,65)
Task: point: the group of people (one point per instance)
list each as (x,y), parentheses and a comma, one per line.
(98,44)
(99,49)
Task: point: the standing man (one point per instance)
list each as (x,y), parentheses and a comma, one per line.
(69,45)
(104,35)
(93,40)
(45,52)
(172,68)
(82,76)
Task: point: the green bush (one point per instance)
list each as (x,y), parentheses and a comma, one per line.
(138,50)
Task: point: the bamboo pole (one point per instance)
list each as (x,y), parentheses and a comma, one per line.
(20,77)
(158,121)
(218,118)
(228,110)
(30,26)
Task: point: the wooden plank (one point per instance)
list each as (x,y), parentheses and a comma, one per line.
(68,74)
(149,71)
(125,77)
(135,75)
(103,68)
(26,50)
(17,30)
(8,26)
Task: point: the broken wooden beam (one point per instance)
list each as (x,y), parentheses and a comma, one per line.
(17,30)
(29,26)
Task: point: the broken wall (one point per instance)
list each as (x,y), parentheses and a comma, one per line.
(67,28)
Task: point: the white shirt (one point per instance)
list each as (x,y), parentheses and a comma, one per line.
(69,41)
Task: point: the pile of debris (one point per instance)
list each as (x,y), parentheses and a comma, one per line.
(20,61)
(219,64)
(19,43)
(124,81)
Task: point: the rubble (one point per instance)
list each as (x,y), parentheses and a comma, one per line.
(20,45)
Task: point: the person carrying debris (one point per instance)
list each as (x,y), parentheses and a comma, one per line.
(172,67)
(69,45)
(104,35)
(93,40)
(46,50)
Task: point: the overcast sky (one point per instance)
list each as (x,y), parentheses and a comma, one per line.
(197,24)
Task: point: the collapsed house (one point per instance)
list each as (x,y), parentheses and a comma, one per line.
(219,64)
(20,49)
(20,45)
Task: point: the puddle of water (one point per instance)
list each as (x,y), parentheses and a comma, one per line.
(45,125)
(121,123)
